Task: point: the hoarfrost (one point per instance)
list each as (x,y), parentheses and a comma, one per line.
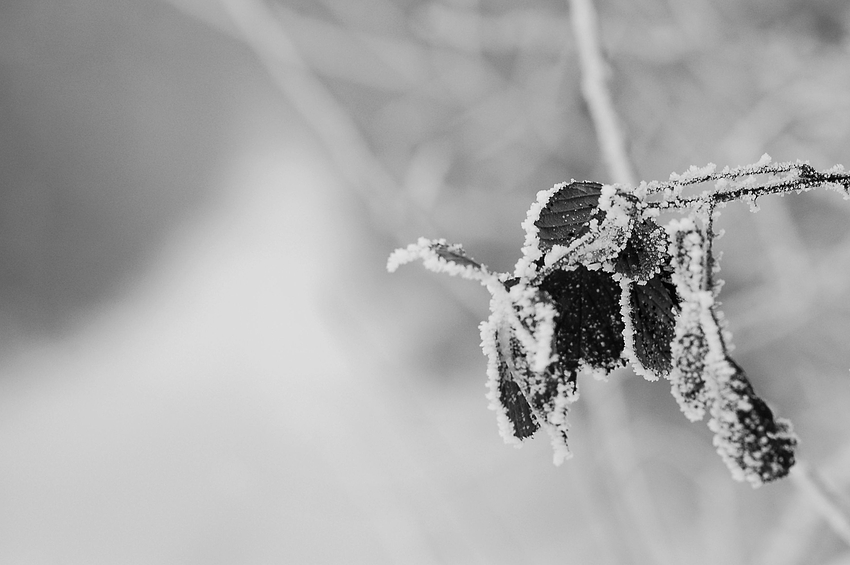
(629,331)
(438,256)
(758,167)
(531,252)
(693,174)
(763,161)
(751,200)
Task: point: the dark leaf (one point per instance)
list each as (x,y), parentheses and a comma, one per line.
(455,254)
(511,396)
(527,399)
(567,213)
(645,252)
(589,326)
(546,388)
(754,445)
(653,316)
(517,408)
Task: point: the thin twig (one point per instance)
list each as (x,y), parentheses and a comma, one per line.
(807,178)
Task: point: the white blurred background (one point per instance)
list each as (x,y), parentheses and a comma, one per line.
(204,361)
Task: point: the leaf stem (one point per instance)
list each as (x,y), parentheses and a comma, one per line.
(708,267)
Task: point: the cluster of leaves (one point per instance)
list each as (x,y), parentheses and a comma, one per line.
(601,285)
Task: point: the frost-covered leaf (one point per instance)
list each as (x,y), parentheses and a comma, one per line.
(441,257)
(580,223)
(532,317)
(527,389)
(567,213)
(691,345)
(516,406)
(551,394)
(653,309)
(455,254)
(688,257)
(755,446)
(689,351)
(513,369)
(549,390)
(589,327)
(505,393)
(531,383)
(607,233)
(645,252)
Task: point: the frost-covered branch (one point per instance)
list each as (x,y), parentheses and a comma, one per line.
(746,183)
(601,284)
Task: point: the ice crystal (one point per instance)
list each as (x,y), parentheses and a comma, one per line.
(600,284)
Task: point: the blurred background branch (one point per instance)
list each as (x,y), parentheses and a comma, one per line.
(593,78)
